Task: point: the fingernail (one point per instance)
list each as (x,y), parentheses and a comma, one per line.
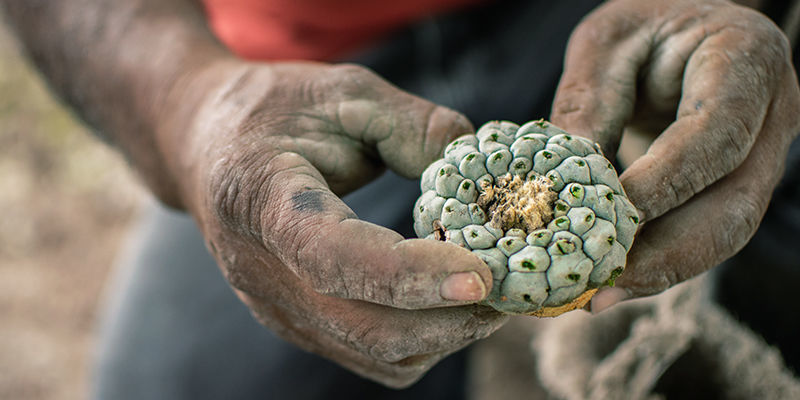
(607,297)
(463,286)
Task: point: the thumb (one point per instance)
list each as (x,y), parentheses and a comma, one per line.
(319,238)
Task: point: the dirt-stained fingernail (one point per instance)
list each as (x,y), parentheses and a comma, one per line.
(607,297)
(463,286)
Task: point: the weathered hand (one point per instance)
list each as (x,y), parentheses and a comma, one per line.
(714,83)
(257,154)
(269,151)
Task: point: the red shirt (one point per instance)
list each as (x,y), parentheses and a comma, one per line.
(312,29)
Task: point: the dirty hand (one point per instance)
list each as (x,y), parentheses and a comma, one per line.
(713,82)
(269,151)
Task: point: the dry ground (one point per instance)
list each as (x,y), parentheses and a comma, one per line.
(65,203)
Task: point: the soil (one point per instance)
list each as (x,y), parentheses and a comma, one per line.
(67,201)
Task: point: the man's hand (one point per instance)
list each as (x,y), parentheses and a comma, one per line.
(267,155)
(713,82)
(258,154)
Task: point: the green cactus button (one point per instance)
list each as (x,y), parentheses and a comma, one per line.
(542,207)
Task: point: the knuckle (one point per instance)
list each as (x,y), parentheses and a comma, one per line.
(739,220)
(739,134)
(230,193)
(240,189)
(247,195)
(762,47)
(394,346)
(381,342)
(445,120)
(570,99)
(300,250)
(593,108)
(574,110)
(765,33)
(727,144)
(778,44)
(355,78)
(605,28)
(404,289)
(328,279)
(677,189)
(768,59)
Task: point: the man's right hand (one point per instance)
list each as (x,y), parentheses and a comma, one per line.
(258,154)
(261,165)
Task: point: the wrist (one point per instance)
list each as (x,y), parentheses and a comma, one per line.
(189,122)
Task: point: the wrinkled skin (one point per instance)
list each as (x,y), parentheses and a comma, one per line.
(259,153)
(713,83)
(276,147)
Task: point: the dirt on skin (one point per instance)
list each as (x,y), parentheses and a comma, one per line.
(67,201)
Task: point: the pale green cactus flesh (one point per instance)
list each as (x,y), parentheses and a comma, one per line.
(543,208)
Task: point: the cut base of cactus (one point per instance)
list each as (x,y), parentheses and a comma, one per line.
(541,207)
(580,302)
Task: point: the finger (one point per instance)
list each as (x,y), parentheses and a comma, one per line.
(607,297)
(596,94)
(716,223)
(407,337)
(407,131)
(316,235)
(294,327)
(390,345)
(724,102)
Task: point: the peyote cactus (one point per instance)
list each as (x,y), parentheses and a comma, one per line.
(544,209)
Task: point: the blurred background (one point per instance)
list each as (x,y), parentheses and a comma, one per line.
(66,201)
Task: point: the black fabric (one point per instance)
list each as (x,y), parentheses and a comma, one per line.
(500,61)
